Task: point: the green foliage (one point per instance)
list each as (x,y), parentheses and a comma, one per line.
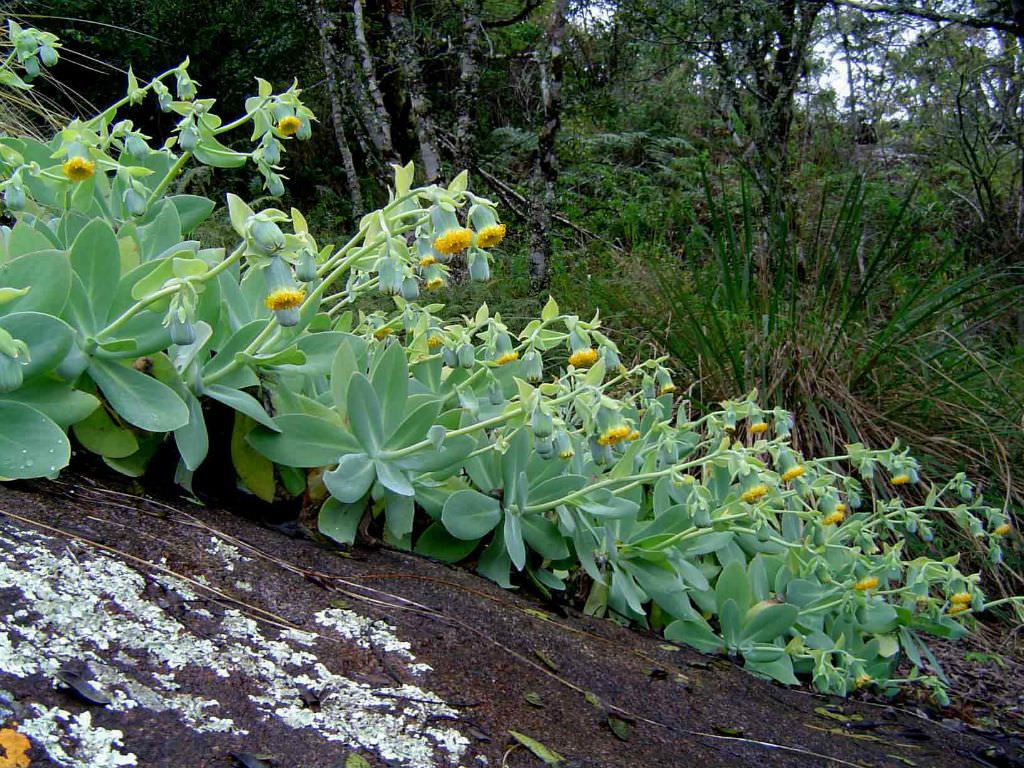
(116,325)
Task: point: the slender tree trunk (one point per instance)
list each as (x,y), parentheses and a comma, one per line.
(380,127)
(545,173)
(469,84)
(408,61)
(326,29)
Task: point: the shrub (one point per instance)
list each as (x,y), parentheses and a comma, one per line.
(117,327)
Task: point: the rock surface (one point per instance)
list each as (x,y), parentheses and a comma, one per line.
(136,631)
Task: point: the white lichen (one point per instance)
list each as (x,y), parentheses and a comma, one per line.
(76,608)
(94,747)
(226,552)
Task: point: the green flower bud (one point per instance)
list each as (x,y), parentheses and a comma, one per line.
(564,445)
(305,271)
(11,375)
(14,197)
(611,358)
(31,67)
(495,395)
(188,137)
(47,55)
(163,96)
(466,355)
(544,447)
(264,234)
(134,202)
(305,130)
(601,454)
(702,517)
(541,423)
(533,366)
(410,288)
(449,357)
(389,272)
(183,84)
(274,185)
(282,111)
(479,269)
(502,344)
(271,149)
(135,146)
(183,332)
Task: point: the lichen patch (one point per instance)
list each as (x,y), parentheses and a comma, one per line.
(146,647)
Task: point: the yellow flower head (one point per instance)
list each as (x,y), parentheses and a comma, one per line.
(867,583)
(758,429)
(434,342)
(633,435)
(615,435)
(78,168)
(289,125)
(285,298)
(583,358)
(15,746)
(426,261)
(953,610)
(454,241)
(840,507)
(794,473)
(1002,529)
(508,357)
(835,517)
(488,237)
(567,454)
(382,333)
(755,493)
(961,598)
(862,680)
(900,479)
(434,283)
(667,389)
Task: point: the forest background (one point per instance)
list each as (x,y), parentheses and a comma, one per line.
(820,200)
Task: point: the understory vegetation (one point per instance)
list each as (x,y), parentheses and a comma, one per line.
(674,352)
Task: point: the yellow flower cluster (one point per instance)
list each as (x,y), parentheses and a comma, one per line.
(568,453)
(794,473)
(289,125)
(840,507)
(454,241)
(382,333)
(961,598)
(956,608)
(434,342)
(508,357)
(78,168)
(488,237)
(618,434)
(435,283)
(285,298)
(1002,529)
(755,493)
(867,583)
(758,429)
(668,389)
(426,261)
(900,479)
(835,517)
(862,680)
(583,358)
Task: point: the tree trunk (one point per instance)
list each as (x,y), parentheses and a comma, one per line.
(326,28)
(409,63)
(469,84)
(545,173)
(380,127)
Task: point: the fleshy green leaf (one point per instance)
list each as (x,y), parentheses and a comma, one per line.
(351,479)
(138,398)
(31,445)
(470,515)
